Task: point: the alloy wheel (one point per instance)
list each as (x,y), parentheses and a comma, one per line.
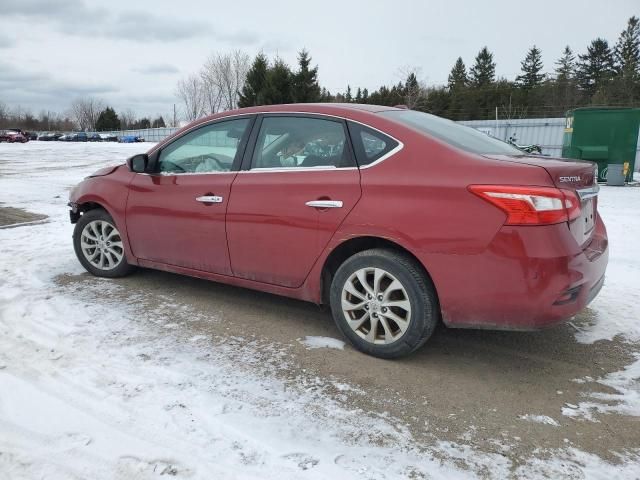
(376,305)
(101,245)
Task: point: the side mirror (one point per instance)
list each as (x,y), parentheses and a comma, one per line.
(138,163)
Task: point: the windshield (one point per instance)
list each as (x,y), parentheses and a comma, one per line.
(460,136)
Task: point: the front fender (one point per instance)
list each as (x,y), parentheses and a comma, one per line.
(109,192)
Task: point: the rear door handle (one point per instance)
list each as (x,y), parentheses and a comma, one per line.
(324,204)
(209,199)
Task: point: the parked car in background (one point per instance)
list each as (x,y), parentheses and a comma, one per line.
(66,137)
(109,137)
(45,137)
(395,218)
(31,135)
(12,136)
(130,139)
(94,137)
(80,137)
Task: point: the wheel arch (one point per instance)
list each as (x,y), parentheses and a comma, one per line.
(91,205)
(355,245)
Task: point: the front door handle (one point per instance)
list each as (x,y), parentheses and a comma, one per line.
(324,204)
(209,199)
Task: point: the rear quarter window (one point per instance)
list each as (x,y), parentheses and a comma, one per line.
(452,133)
(370,145)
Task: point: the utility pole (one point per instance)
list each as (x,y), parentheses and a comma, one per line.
(174,115)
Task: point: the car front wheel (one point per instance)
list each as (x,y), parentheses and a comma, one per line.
(383,302)
(98,245)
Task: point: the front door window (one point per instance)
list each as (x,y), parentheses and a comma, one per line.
(209,149)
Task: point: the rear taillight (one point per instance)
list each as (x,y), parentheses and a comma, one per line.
(531,205)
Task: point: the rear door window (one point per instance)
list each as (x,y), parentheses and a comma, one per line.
(287,142)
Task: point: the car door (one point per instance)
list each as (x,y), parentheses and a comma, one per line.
(176,216)
(298,183)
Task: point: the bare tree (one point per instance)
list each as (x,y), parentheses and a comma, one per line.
(4,114)
(127,118)
(223,76)
(85,112)
(190,91)
(415,89)
(212,96)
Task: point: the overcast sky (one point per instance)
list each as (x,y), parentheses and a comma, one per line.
(132,53)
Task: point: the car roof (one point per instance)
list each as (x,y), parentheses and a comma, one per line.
(346,110)
(328,108)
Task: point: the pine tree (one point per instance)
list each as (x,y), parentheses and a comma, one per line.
(142,124)
(483,73)
(358,98)
(107,120)
(627,50)
(279,84)
(158,123)
(566,65)
(596,67)
(255,83)
(325,95)
(365,96)
(531,70)
(414,96)
(563,93)
(458,76)
(347,96)
(305,80)
(626,84)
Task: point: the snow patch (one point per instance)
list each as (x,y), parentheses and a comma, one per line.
(615,309)
(625,400)
(312,342)
(539,419)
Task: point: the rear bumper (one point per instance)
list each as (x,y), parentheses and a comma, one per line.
(528,278)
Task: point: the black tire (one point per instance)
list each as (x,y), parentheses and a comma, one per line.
(425,310)
(121,269)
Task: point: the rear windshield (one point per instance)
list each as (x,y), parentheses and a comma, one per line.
(460,136)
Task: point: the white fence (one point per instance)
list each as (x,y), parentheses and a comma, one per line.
(546,132)
(149,134)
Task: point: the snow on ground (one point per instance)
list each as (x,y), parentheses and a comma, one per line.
(617,308)
(94,387)
(322,342)
(544,419)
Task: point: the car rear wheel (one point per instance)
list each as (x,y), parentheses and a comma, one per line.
(98,245)
(383,303)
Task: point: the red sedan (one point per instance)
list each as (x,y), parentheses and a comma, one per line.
(396,219)
(12,136)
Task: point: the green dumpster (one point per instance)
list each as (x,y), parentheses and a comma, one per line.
(605,135)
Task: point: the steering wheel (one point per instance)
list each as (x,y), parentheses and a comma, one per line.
(215,159)
(169,166)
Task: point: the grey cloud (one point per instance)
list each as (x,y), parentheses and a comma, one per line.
(5,41)
(23,83)
(144,26)
(74,12)
(166,100)
(76,17)
(157,69)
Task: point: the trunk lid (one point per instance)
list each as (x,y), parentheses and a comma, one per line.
(578,176)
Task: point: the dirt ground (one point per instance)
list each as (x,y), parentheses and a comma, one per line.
(465,386)
(10,216)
